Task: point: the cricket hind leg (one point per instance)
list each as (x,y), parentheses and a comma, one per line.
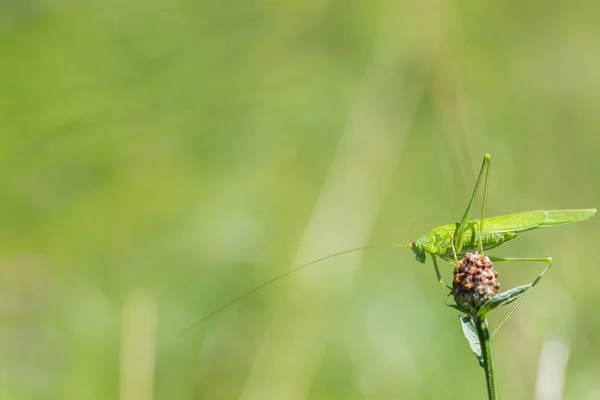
(464,223)
(547,260)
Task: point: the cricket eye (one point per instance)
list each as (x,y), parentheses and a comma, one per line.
(414,244)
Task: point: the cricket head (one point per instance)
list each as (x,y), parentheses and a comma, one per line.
(417,248)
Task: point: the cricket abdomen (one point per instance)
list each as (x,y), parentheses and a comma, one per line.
(489,240)
(439,240)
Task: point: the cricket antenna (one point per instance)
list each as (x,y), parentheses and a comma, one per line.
(257,288)
(415,224)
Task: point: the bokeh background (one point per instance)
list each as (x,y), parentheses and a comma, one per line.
(160,158)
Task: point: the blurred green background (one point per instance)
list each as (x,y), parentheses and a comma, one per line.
(159,158)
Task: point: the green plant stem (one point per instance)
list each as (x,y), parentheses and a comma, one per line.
(486,353)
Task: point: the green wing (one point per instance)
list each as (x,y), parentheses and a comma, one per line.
(561,217)
(515,222)
(535,219)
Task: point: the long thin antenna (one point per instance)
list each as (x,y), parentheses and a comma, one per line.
(257,288)
(417,222)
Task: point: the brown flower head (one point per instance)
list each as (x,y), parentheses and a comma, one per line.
(475,282)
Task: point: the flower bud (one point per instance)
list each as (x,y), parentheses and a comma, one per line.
(475,282)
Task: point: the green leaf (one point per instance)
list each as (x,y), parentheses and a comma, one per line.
(470,332)
(502,299)
(457,307)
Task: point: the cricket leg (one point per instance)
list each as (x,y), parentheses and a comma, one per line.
(453,249)
(442,242)
(484,205)
(464,223)
(437,272)
(547,260)
(434,258)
